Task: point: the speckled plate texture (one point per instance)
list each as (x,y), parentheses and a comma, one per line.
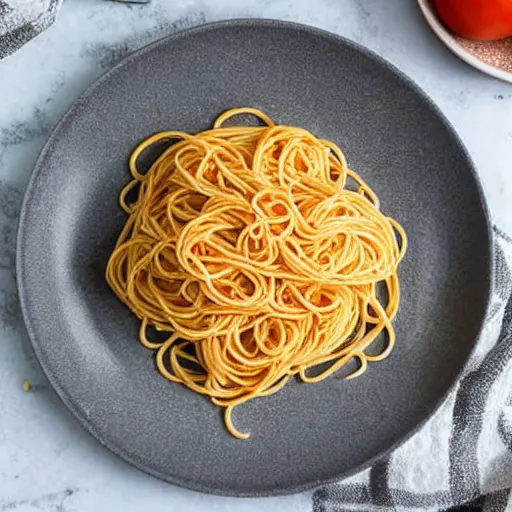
(86,340)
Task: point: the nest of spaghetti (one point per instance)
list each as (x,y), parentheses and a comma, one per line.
(261,254)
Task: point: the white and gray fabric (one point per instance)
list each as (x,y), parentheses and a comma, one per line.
(22,20)
(461,460)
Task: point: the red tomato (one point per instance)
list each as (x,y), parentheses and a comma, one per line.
(477,19)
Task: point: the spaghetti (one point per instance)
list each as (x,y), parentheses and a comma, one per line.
(261,254)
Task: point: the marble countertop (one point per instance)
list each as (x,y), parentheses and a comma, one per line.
(47,462)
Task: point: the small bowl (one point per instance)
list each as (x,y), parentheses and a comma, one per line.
(475,53)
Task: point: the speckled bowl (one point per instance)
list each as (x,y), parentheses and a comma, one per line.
(491,57)
(305,435)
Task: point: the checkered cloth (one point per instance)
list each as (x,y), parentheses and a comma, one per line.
(462,458)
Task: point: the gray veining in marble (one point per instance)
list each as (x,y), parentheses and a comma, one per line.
(47,462)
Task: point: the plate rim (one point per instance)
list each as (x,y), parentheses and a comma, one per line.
(447,39)
(23,289)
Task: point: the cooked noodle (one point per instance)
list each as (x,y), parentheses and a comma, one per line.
(261,254)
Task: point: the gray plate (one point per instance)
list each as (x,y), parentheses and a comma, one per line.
(305,435)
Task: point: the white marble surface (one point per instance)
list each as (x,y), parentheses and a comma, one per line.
(47,462)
